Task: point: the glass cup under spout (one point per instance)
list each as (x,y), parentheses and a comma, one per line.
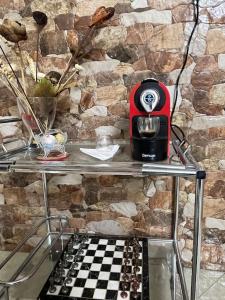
(148,126)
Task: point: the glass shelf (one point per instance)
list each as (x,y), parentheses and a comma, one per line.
(24,274)
(161,273)
(180,162)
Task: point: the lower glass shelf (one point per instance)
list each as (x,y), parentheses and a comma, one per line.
(163,278)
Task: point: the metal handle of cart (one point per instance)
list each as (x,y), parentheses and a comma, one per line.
(13,280)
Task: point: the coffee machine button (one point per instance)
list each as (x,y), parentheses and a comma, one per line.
(149,99)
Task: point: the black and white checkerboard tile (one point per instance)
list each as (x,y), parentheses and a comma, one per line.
(99,272)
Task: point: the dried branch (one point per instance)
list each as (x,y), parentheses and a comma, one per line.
(16,77)
(77,49)
(22,67)
(63,86)
(41,21)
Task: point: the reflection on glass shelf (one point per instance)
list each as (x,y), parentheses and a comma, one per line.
(160,270)
(122,163)
(76,156)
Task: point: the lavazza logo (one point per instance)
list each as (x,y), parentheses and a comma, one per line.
(148,155)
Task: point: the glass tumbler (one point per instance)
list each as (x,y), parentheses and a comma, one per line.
(148,126)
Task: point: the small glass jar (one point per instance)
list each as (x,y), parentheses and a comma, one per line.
(103,141)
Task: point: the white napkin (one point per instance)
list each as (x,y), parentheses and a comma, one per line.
(102,153)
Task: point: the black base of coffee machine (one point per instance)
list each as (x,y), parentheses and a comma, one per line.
(149,150)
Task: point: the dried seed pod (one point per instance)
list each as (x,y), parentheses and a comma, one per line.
(13,31)
(53,76)
(40,18)
(101,15)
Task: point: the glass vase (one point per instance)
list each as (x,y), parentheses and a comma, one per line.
(37,114)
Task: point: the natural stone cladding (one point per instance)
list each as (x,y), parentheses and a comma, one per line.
(146,38)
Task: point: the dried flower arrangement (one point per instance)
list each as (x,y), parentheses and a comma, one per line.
(51,84)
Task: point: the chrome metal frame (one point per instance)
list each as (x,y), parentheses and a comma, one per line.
(45,198)
(189,167)
(10,120)
(18,274)
(196,261)
(175,238)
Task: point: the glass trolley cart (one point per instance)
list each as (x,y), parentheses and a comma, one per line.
(36,267)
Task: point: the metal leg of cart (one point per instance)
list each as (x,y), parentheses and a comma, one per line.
(197,236)
(4,294)
(45,198)
(173,277)
(46,207)
(174,233)
(175,239)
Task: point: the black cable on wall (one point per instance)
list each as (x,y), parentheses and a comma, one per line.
(174,127)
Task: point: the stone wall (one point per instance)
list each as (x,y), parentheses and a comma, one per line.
(146,38)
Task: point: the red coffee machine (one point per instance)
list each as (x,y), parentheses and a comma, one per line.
(150,121)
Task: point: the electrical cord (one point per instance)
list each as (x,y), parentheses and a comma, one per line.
(176,128)
(176,89)
(196,9)
(195,13)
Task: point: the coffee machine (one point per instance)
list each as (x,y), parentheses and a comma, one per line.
(150,121)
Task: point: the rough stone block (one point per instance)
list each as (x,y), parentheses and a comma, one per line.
(111,194)
(52,7)
(77,223)
(166,4)
(65,21)
(167,37)
(53,43)
(161,200)
(108,180)
(150,16)
(215,41)
(139,33)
